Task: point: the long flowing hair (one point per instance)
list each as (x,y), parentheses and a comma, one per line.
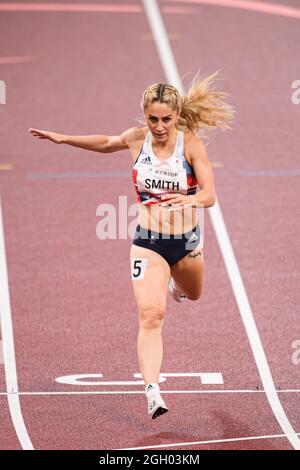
(202,108)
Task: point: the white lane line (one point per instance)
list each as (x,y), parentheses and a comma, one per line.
(163,45)
(207,378)
(215,441)
(9,349)
(167,59)
(1,353)
(141,392)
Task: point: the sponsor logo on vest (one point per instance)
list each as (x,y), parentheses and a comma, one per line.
(146,160)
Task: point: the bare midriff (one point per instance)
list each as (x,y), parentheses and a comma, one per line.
(159,219)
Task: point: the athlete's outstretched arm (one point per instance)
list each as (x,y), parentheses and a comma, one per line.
(97,143)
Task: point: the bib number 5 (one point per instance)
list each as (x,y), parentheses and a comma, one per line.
(138,268)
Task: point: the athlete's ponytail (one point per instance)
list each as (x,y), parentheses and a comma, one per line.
(202,108)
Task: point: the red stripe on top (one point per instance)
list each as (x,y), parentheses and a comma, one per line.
(191,180)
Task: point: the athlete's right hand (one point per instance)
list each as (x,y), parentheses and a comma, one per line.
(53,136)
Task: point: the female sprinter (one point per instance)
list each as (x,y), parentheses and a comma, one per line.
(169,163)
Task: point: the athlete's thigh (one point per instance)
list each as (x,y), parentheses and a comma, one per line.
(188,273)
(150,275)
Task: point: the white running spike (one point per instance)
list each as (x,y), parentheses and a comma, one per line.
(176,293)
(156,405)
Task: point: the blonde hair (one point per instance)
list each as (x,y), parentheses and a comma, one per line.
(202,108)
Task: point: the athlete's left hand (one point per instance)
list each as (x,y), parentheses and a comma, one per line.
(177,201)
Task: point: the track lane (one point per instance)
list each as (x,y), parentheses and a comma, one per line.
(260,219)
(54,233)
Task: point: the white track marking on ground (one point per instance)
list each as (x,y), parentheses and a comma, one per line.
(215,441)
(163,45)
(9,349)
(141,392)
(169,65)
(1,353)
(207,378)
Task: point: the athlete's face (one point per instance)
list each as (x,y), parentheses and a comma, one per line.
(161,120)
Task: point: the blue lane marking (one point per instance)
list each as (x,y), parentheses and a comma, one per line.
(269,172)
(74,174)
(127,174)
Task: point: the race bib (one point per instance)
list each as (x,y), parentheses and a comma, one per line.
(159,181)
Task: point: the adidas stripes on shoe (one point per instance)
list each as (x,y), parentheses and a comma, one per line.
(156,405)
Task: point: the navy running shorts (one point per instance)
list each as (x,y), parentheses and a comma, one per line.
(171,247)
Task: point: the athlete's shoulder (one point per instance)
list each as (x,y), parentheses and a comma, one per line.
(194,145)
(134,134)
(191,138)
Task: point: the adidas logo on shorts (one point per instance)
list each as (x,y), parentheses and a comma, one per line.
(193,238)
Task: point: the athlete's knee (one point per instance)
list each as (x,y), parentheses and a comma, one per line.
(151,318)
